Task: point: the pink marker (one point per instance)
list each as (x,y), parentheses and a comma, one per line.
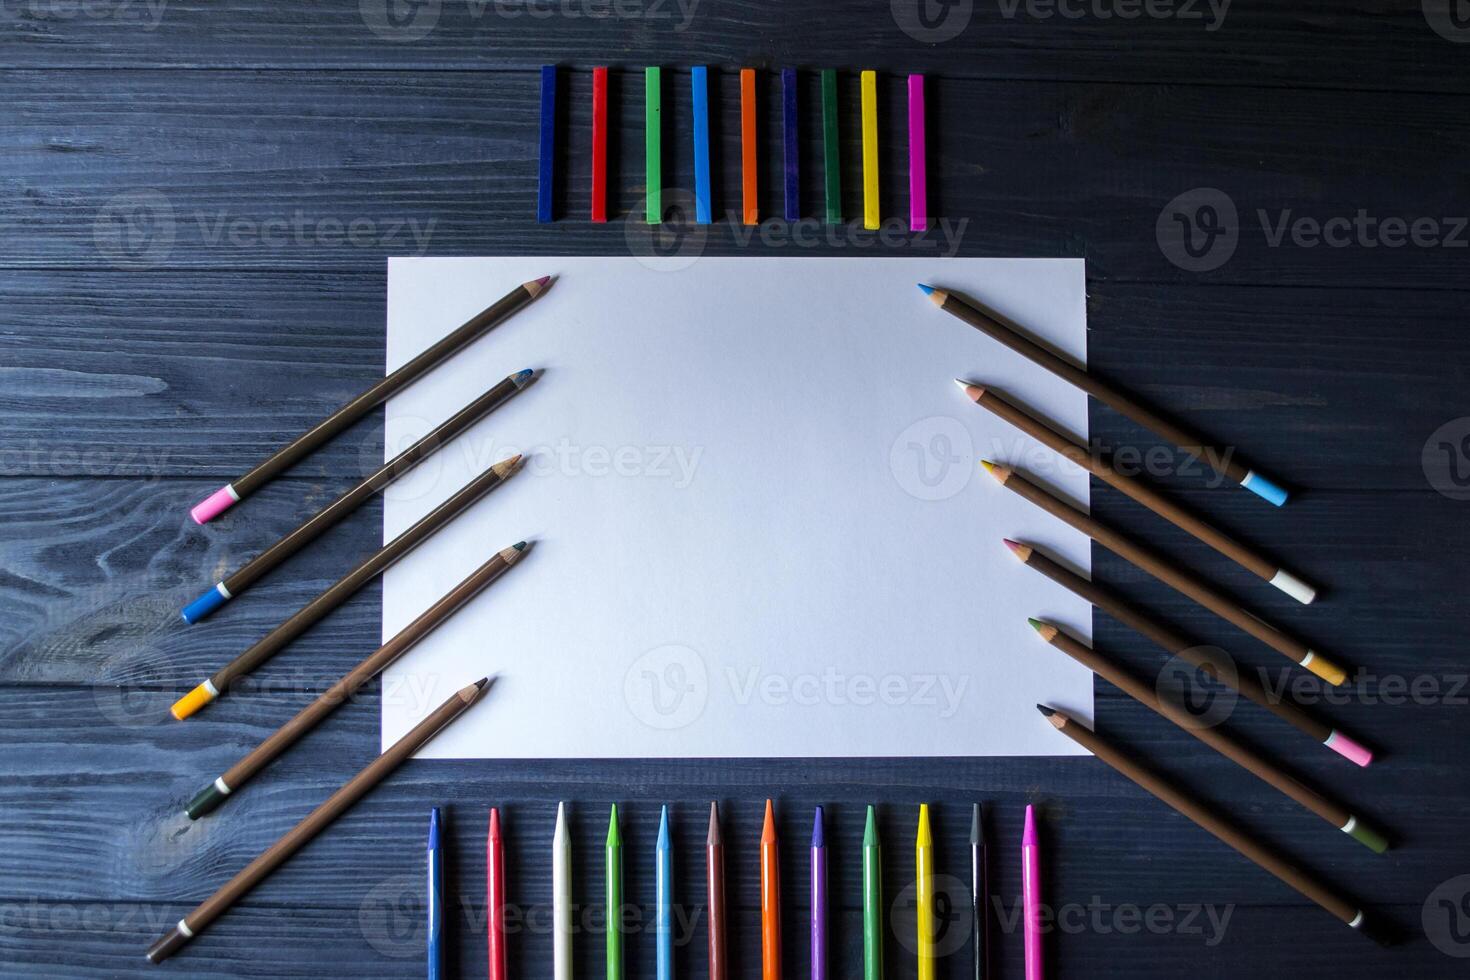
(918,184)
(1031,896)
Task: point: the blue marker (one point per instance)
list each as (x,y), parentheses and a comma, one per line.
(663,920)
(436,898)
(703,198)
(548,144)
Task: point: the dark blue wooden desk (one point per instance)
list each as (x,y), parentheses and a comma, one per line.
(198,201)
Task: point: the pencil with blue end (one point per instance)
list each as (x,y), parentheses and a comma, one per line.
(1222,461)
(1208,818)
(253,570)
(436,896)
(663,914)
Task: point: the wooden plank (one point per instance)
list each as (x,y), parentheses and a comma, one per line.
(203,374)
(336,171)
(1375,44)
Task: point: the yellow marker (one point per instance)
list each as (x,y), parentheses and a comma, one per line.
(924,894)
(872,215)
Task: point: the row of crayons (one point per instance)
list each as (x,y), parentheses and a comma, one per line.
(1170,573)
(750,169)
(927,926)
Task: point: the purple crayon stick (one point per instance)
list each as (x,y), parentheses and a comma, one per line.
(819,899)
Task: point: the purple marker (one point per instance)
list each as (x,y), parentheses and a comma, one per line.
(819,899)
(790,147)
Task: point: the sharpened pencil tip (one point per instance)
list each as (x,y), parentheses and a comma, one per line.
(1028,833)
(543,281)
(1036,624)
(927,289)
(480,684)
(768,830)
(989,466)
(870,828)
(819,833)
(519,546)
(977,824)
(522,378)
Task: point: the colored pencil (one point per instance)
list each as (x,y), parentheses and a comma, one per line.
(613,873)
(790,145)
(653,153)
(1222,462)
(249,573)
(831,148)
(1031,896)
(872,213)
(1141,492)
(495,875)
(1170,574)
(872,899)
(599,144)
(979,893)
(435,940)
(1207,817)
(770,898)
(1192,653)
(335,805)
(918,173)
(714,863)
(374,565)
(1246,758)
(546,170)
(392,383)
(924,895)
(234,778)
(819,898)
(703,195)
(749,160)
(663,914)
(561,897)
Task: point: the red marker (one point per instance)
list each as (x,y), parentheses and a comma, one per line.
(599,144)
(495,893)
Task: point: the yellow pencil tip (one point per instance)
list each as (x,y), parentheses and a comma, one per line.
(191,702)
(989,466)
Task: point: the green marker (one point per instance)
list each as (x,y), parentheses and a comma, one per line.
(614,930)
(872,900)
(653,132)
(831,149)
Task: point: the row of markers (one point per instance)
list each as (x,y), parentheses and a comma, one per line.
(927,923)
(791,155)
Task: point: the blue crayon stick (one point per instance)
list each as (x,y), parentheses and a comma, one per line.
(436,898)
(703,198)
(663,916)
(548,144)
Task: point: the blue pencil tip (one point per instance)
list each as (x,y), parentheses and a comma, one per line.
(928,290)
(663,827)
(434,827)
(819,835)
(521,377)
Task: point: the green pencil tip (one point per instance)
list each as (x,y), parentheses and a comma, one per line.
(1036,624)
(519,546)
(870,829)
(614,833)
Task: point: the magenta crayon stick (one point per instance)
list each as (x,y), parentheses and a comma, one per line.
(918,176)
(1031,896)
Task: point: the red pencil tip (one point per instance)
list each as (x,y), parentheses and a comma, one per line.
(494,822)
(543,280)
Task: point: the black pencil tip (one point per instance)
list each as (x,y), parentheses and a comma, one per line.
(977,824)
(1045,710)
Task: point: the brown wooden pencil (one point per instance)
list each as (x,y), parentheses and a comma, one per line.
(315,822)
(374,565)
(309,441)
(1221,461)
(235,777)
(1140,491)
(1342,908)
(1248,759)
(1191,653)
(311,529)
(1170,574)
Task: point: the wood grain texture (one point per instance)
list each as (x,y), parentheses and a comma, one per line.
(185,289)
(335,171)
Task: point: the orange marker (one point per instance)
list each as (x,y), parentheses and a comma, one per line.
(747,147)
(770,899)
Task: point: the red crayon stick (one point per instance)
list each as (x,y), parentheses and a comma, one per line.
(495,893)
(599,144)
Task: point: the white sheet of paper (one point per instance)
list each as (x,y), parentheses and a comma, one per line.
(757,523)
